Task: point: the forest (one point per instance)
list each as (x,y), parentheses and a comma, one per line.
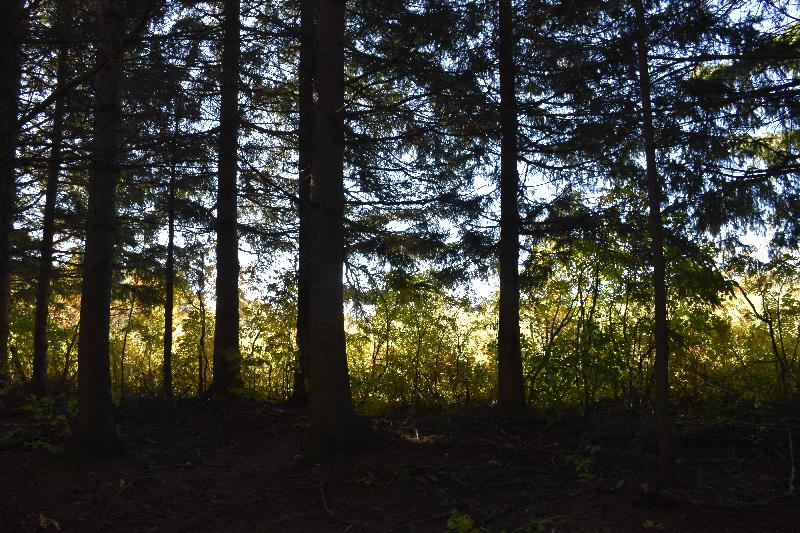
(422,265)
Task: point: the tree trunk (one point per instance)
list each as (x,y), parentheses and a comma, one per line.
(96,435)
(169,297)
(201,347)
(333,421)
(654,195)
(227,358)
(67,359)
(305,146)
(40,356)
(125,346)
(510,386)
(11,21)
(169,274)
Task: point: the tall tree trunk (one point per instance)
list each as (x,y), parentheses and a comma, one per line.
(333,421)
(305,146)
(510,386)
(654,195)
(169,297)
(96,435)
(202,359)
(227,358)
(40,356)
(11,28)
(169,275)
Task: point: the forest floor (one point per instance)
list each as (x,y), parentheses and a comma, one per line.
(238,466)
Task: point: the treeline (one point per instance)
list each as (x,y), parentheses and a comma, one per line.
(368,163)
(413,343)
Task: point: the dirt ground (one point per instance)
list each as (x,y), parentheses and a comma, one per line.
(239,466)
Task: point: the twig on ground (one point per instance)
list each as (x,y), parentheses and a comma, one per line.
(136,478)
(328,510)
(683,497)
(240,505)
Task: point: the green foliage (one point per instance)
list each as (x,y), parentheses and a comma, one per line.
(584,464)
(54,425)
(45,522)
(411,344)
(461,523)
(543,524)
(267,339)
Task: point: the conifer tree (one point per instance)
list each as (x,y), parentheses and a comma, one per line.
(227,359)
(510,383)
(40,344)
(96,434)
(305,79)
(333,422)
(656,227)
(12,17)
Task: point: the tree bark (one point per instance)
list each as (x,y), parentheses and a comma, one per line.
(96,435)
(169,297)
(510,386)
(169,274)
(227,357)
(654,195)
(305,146)
(40,355)
(11,27)
(333,421)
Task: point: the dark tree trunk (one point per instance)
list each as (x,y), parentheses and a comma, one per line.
(227,358)
(40,355)
(510,388)
(11,22)
(96,435)
(169,274)
(333,421)
(201,347)
(306,131)
(202,359)
(169,297)
(654,195)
